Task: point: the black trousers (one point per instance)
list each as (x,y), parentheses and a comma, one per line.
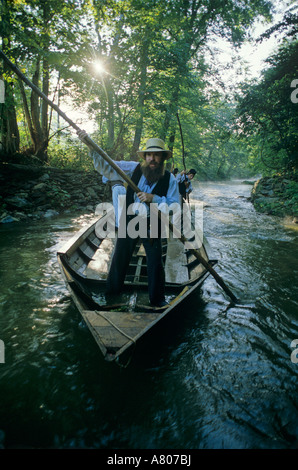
(155,269)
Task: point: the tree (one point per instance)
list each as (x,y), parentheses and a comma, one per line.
(267,112)
(153,58)
(10,138)
(45,36)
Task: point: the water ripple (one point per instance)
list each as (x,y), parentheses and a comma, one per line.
(214,376)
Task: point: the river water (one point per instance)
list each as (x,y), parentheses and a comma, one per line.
(212,377)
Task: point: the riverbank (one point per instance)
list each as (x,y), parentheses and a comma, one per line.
(29,193)
(277,196)
(32,192)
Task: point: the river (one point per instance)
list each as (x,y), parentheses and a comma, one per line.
(214,377)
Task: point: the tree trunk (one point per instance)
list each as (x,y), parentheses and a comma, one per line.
(169,127)
(44,111)
(9,127)
(111,121)
(10,137)
(35,112)
(141,99)
(42,151)
(26,110)
(39,120)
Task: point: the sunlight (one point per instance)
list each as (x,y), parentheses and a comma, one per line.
(99,67)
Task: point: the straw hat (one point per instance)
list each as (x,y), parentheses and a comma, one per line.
(155,145)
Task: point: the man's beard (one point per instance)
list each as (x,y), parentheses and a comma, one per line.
(152,175)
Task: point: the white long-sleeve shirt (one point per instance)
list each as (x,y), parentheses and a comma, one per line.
(106,170)
(181,178)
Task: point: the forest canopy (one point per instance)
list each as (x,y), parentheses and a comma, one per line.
(126,68)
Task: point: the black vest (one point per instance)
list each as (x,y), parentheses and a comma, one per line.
(182,188)
(160,189)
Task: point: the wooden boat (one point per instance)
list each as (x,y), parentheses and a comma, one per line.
(85,261)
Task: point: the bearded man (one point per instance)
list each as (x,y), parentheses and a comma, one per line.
(156,185)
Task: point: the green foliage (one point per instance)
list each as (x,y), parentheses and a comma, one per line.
(268,115)
(283,198)
(70,154)
(153,54)
(57,195)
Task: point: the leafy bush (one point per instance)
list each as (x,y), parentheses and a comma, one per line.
(57,195)
(70,155)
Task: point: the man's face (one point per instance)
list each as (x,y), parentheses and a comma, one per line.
(153,159)
(190,176)
(153,166)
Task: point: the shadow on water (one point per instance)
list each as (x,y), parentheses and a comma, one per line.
(134,404)
(208,377)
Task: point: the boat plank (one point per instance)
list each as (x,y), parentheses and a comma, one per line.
(110,337)
(99,266)
(120,319)
(175,267)
(115,330)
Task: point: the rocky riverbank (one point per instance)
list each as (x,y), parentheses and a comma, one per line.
(29,193)
(276,195)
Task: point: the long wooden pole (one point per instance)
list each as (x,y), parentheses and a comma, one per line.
(121,173)
(183,152)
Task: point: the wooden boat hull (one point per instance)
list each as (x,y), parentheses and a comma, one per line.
(118,325)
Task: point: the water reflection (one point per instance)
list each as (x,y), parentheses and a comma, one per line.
(214,376)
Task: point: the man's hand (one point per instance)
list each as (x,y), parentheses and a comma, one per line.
(145,197)
(82,134)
